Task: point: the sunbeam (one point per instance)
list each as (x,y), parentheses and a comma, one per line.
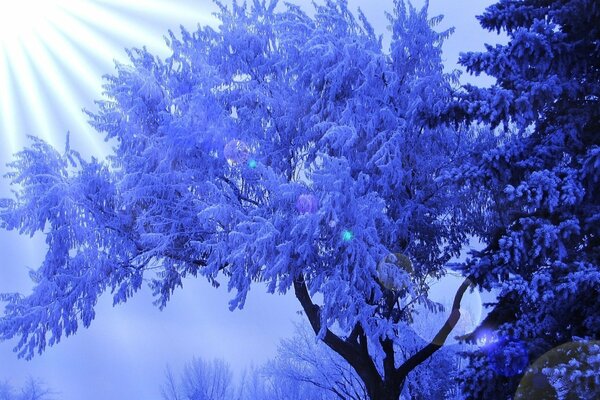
(53,54)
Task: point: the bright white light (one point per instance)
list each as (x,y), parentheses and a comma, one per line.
(486,338)
(23,19)
(53,54)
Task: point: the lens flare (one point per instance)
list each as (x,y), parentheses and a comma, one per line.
(307,204)
(236,152)
(347,235)
(567,371)
(252,163)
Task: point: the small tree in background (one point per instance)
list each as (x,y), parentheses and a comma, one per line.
(281,148)
(200,380)
(33,389)
(203,380)
(302,361)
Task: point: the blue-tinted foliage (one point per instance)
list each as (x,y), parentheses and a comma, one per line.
(540,185)
(213,148)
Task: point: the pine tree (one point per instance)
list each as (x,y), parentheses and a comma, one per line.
(539,196)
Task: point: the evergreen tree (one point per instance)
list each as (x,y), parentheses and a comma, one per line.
(538,191)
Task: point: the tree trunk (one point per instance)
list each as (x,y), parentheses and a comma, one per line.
(384,390)
(354,348)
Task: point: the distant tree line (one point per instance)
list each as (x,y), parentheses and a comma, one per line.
(306,369)
(33,389)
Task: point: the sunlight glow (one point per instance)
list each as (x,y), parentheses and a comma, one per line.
(53,54)
(21,19)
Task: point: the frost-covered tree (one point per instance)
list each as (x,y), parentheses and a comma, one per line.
(280,148)
(262,384)
(33,389)
(539,190)
(200,380)
(302,361)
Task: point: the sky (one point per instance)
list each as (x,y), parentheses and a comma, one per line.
(53,54)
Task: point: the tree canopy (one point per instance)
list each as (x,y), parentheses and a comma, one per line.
(280,148)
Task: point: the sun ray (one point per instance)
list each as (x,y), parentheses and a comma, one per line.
(53,54)
(29,92)
(8,122)
(153,10)
(84,71)
(84,43)
(71,100)
(95,15)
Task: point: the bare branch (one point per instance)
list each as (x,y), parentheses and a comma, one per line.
(439,339)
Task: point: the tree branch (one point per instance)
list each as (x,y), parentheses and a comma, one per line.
(313,312)
(357,356)
(439,339)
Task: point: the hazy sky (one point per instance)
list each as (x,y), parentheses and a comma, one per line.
(44,86)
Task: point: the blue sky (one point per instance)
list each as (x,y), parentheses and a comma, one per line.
(124,353)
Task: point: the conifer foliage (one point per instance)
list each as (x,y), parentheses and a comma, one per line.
(541,191)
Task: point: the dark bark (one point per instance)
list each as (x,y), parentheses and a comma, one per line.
(439,339)
(354,349)
(355,354)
